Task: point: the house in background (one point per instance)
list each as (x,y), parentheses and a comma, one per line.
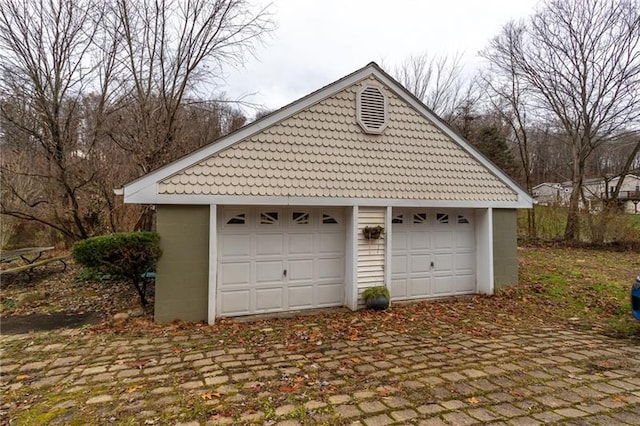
(549,193)
(270,218)
(595,190)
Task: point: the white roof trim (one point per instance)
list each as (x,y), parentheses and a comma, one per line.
(144,189)
(318,201)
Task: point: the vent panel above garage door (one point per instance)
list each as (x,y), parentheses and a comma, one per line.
(274,259)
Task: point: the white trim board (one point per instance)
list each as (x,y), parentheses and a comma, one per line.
(318,201)
(213,264)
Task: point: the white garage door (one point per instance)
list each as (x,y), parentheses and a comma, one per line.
(273,259)
(433,254)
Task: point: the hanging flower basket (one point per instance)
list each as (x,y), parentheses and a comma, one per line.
(372,232)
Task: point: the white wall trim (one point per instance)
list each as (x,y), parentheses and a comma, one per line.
(151,197)
(388,236)
(484,251)
(351,276)
(213,263)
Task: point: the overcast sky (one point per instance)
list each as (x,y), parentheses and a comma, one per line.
(319,41)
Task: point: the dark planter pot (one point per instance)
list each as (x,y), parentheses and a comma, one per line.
(379,303)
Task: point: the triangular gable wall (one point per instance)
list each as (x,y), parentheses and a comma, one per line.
(321,151)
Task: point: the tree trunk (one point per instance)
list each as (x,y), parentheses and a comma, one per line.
(146,220)
(572,229)
(531,223)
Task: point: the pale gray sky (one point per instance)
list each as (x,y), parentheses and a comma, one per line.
(319,41)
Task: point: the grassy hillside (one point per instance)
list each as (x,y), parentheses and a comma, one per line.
(581,286)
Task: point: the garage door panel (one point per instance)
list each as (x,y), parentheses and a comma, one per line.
(442,285)
(299,297)
(465,240)
(420,263)
(398,289)
(463,283)
(236,245)
(331,243)
(443,263)
(300,270)
(399,241)
(443,240)
(236,273)
(420,240)
(465,262)
(269,299)
(301,244)
(329,294)
(269,271)
(331,269)
(235,302)
(420,287)
(398,263)
(269,244)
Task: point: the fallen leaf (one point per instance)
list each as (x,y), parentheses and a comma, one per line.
(22,377)
(138,364)
(473,400)
(135,388)
(619,399)
(210,395)
(288,389)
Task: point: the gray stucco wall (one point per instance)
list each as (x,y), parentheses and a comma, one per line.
(505,249)
(183,270)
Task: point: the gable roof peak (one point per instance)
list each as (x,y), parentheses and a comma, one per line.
(146,185)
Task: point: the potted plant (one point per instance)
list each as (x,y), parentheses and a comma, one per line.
(372,232)
(376,298)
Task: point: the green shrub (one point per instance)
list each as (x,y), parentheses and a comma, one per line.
(373,292)
(126,254)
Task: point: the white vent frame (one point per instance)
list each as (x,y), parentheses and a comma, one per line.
(374,114)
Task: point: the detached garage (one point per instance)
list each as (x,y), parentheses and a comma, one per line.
(270,218)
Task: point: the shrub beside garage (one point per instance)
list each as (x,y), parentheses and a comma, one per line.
(127,254)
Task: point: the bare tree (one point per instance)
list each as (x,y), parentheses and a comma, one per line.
(170,48)
(508,96)
(438,81)
(87,84)
(581,60)
(50,62)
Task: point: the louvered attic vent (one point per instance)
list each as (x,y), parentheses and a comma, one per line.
(371,108)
